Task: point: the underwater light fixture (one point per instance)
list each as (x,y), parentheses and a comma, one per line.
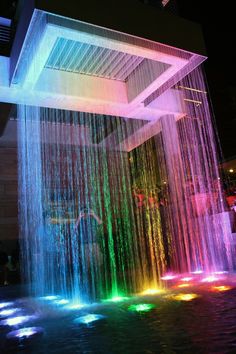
(168,277)
(61,302)
(5,304)
(152,291)
(25,333)
(141,307)
(117,299)
(87,319)
(8,312)
(15,321)
(186,278)
(49,297)
(185,297)
(221,288)
(210,279)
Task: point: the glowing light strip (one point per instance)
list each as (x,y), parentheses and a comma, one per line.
(193,101)
(191,89)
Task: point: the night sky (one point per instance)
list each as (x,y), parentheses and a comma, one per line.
(218,22)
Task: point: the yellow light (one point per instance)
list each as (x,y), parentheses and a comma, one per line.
(183,285)
(185,297)
(222,288)
(152,291)
(231,170)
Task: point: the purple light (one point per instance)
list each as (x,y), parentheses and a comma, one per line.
(24,333)
(210,279)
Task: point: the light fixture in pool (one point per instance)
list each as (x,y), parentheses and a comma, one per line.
(74,307)
(221,288)
(49,297)
(187,279)
(25,333)
(15,321)
(221,272)
(87,319)
(141,307)
(117,299)
(168,277)
(152,291)
(61,302)
(184,285)
(5,304)
(209,279)
(8,312)
(185,297)
(197,271)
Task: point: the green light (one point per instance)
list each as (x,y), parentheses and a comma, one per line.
(117,299)
(141,307)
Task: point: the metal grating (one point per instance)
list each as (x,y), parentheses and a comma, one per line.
(83,58)
(5,34)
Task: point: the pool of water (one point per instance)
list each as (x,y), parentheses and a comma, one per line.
(173,323)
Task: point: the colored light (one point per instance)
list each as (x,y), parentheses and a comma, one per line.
(152,291)
(183,285)
(14,321)
(222,288)
(87,319)
(25,332)
(197,272)
(117,299)
(9,312)
(168,277)
(61,302)
(186,279)
(221,272)
(49,297)
(231,170)
(74,307)
(5,304)
(141,307)
(185,297)
(210,279)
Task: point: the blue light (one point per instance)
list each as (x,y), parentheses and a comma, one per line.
(25,333)
(61,302)
(8,312)
(49,297)
(5,304)
(87,319)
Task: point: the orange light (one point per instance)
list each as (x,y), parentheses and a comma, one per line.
(183,285)
(221,288)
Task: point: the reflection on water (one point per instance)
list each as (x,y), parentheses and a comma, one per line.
(198,319)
